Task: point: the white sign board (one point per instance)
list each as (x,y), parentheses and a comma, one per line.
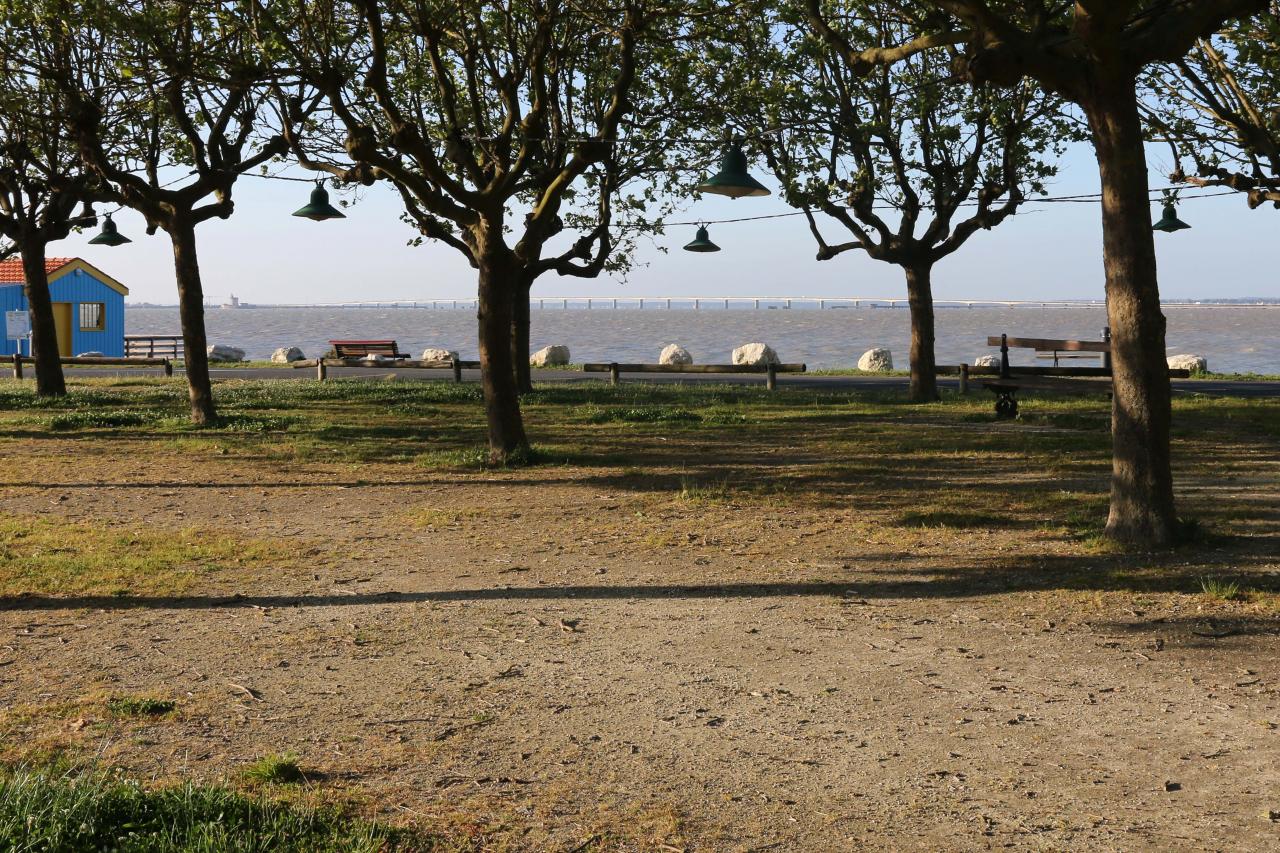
(17,324)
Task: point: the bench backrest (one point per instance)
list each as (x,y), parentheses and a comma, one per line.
(343,349)
(1053,345)
(1049,344)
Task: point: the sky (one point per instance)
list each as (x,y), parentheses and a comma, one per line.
(264,255)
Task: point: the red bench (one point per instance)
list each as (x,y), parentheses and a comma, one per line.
(361,349)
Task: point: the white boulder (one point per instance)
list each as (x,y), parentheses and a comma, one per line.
(552,356)
(222,352)
(674,354)
(877,360)
(1186,361)
(987,361)
(438,354)
(284,355)
(755,354)
(377,358)
(92,354)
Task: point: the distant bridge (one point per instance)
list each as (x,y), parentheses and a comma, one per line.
(723,303)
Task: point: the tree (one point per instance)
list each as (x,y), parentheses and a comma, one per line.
(500,126)
(1091,53)
(41,183)
(164,101)
(1216,106)
(945,160)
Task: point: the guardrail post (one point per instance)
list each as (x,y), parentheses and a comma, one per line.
(964,379)
(1106,356)
(613,373)
(1004,355)
(771,377)
(168,367)
(17,365)
(321,371)
(457,371)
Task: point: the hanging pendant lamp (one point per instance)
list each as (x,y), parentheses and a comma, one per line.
(109,235)
(732,179)
(318,208)
(701,242)
(1169,222)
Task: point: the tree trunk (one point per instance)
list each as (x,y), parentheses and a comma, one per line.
(520,337)
(507,440)
(44,331)
(191,314)
(924,367)
(1142,509)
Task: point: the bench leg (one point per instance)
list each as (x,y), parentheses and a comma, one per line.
(1006,404)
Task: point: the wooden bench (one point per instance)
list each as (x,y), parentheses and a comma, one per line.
(361,349)
(322,365)
(1057,380)
(771,371)
(153,346)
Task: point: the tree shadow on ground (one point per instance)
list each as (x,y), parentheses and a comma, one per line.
(859,586)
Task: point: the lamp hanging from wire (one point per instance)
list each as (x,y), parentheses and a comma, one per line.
(701,242)
(109,235)
(733,179)
(318,209)
(1169,221)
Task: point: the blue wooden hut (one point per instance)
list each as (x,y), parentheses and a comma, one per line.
(88,305)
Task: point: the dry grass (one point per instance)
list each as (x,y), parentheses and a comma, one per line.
(49,555)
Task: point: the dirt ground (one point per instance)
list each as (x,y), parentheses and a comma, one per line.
(554,659)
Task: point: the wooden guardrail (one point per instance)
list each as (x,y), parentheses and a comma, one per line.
(153,346)
(322,365)
(771,371)
(106,361)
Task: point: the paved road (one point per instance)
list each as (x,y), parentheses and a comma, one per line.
(828,383)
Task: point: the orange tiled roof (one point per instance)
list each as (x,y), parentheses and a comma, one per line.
(11,269)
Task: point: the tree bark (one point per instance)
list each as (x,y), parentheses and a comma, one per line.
(50,381)
(520,337)
(497,291)
(191,315)
(1142,507)
(924,367)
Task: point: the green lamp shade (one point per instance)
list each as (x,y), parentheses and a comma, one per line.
(732,179)
(702,242)
(1169,221)
(319,209)
(109,236)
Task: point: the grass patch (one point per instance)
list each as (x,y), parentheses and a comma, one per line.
(692,491)
(53,556)
(953,518)
(88,419)
(640,415)
(275,770)
(140,706)
(50,811)
(1221,589)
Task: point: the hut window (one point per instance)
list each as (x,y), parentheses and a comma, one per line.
(92,316)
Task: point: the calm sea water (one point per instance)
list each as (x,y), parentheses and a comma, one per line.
(1234,339)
